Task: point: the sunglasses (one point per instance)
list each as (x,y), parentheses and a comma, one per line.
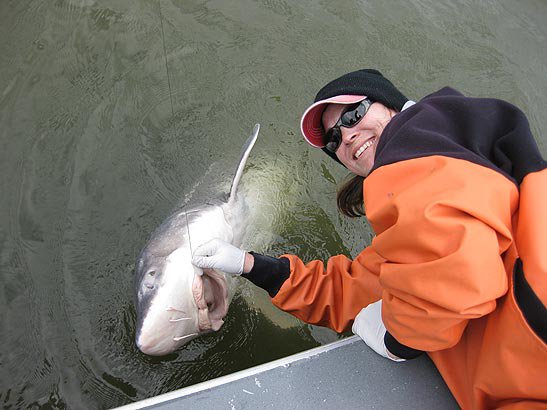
(350,118)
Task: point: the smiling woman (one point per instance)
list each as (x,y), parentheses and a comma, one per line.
(356,149)
(350,134)
(443,181)
(357,141)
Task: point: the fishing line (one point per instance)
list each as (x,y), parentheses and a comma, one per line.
(188,229)
(165,57)
(171,100)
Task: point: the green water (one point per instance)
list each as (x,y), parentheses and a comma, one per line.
(111,112)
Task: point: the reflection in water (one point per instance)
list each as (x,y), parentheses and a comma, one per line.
(111,116)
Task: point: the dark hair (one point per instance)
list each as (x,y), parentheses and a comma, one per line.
(350,197)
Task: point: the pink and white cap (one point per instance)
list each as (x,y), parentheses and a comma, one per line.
(311,125)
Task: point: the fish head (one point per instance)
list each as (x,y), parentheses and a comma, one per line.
(177,301)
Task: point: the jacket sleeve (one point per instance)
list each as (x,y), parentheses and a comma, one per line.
(330,297)
(442,227)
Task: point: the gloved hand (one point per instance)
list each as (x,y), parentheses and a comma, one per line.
(368,326)
(221,255)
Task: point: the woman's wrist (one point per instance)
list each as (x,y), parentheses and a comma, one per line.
(248,263)
(393,357)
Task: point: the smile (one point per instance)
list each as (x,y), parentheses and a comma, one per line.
(363,148)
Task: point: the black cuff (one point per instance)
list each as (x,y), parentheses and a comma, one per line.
(269,273)
(400,350)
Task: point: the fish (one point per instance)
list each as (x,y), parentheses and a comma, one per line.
(175,300)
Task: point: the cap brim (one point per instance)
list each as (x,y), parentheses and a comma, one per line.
(310,124)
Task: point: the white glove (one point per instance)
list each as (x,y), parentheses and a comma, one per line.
(221,255)
(368,326)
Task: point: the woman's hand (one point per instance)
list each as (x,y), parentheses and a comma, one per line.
(221,255)
(368,325)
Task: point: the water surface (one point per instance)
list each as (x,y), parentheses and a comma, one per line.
(112,112)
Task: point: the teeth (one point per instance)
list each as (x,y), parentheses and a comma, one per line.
(363,148)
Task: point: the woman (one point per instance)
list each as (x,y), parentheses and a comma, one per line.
(456,192)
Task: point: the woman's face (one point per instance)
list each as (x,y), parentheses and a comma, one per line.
(358,146)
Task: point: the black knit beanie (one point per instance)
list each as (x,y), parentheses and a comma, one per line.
(367,82)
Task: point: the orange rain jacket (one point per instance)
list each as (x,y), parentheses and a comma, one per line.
(458,200)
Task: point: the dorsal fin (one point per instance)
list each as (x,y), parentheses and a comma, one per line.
(244,155)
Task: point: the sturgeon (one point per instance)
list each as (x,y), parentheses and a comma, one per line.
(177,301)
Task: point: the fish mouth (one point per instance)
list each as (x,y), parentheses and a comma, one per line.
(211,296)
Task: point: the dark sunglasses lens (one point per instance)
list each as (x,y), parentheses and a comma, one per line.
(332,139)
(353,115)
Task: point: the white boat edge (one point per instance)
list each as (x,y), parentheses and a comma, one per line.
(252,371)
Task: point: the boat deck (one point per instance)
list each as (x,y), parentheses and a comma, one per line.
(342,375)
